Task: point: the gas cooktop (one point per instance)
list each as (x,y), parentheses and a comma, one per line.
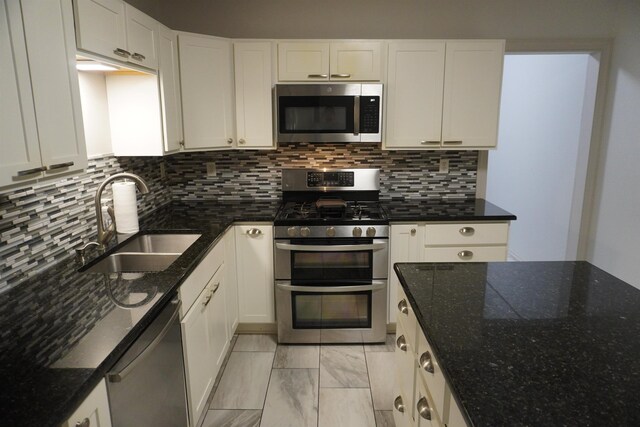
(353,212)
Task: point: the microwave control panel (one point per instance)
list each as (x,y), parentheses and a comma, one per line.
(369,114)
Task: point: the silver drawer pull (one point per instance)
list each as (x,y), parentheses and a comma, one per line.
(207,299)
(318,76)
(61,165)
(122,52)
(403,307)
(84,423)
(413,231)
(254,232)
(467,231)
(423,408)
(429,142)
(426,362)
(229,140)
(341,75)
(215,288)
(465,254)
(401,342)
(398,404)
(31,171)
(138,56)
(242,141)
(452,142)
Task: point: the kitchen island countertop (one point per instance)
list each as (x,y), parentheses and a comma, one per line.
(531,343)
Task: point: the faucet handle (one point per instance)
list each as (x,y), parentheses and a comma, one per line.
(80,252)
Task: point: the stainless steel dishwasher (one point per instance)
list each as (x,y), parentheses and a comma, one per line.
(147,385)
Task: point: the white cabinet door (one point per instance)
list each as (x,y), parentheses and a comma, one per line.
(356,61)
(206,80)
(18,133)
(471,106)
(197,347)
(48,29)
(254,258)
(303,61)
(231,280)
(101,27)
(217,315)
(404,246)
(94,409)
(254,117)
(142,38)
(169,75)
(414,94)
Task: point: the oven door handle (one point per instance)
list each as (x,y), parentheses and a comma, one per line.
(331,289)
(331,248)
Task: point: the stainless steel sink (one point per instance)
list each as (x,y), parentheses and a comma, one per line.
(133,262)
(160,243)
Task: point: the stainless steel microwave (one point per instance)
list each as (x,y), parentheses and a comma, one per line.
(342,112)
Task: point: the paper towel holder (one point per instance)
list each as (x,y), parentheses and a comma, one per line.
(105,234)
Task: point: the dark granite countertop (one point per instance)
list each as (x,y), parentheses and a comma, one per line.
(61,331)
(444,210)
(532,343)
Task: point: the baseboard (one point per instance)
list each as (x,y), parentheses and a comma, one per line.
(257,328)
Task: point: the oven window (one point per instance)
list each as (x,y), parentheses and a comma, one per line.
(321,267)
(331,310)
(316,114)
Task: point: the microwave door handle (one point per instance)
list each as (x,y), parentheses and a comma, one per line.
(356,115)
(331,289)
(331,248)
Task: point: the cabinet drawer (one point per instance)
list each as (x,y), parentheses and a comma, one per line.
(407,318)
(405,368)
(401,410)
(198,279)
(426,413)
(465,254)
(429,370)
(467,234)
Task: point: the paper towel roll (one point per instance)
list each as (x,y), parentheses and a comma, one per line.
(125,206)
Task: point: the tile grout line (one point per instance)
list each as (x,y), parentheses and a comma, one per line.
(366,361)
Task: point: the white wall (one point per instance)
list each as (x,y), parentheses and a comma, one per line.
(614,240)
(95,113)
(532,174)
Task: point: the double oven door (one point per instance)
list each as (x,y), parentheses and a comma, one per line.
(331,290)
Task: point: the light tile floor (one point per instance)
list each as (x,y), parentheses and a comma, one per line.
(263,384)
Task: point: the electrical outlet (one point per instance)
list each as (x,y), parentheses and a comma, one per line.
(211,169)
(444,166)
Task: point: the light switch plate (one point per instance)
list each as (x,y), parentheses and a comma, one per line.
(211,169)
(444,166)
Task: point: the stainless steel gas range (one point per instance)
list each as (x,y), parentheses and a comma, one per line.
(331,257)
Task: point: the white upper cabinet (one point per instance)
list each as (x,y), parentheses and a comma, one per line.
(206,80)
(114,29)
(336,61)
(169,75)
(443,94)
(473,79)
(254,119)
(42,132)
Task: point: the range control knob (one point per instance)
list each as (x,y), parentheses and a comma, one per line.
(305,231)
(331,232)
(357,232)
(292,231)
(371,231)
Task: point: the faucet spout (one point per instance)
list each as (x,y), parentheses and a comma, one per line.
(105,234)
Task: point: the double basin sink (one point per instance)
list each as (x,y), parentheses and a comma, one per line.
(144,253)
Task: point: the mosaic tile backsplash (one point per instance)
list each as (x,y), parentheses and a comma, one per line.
(40,225)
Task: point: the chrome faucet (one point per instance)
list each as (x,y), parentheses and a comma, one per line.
(105,234)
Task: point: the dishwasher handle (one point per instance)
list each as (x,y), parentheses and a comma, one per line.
(119,375)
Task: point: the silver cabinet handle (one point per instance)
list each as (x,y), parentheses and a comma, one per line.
(428,142)
(465,254)
(423,408)
(138,56)
(181,144)
(254,232)
(215,288)
(467,231)
(341,75)
(318,76)
(401,342)
(331,248)
(207,299)
(229,140)
(123,53)
(31,171)
(241,141)
(398,404)
(426,362)
(403,307)
(61,165)
(452,142)
(84,423)
(413,231)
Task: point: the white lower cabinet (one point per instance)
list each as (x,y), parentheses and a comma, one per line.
(231,280)
(93,411)
(254,258)
(404,246)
